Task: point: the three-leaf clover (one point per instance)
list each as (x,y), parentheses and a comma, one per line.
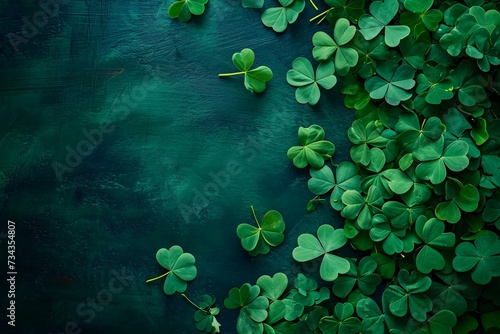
(458,198)
(361,208)
(390,236)
(205,316)
(257,240)
(419,17)
(314,149)
(392,82)
(363,274)
(435,84)
(325,46)
(255,79)
(373,320)
(182,9)
(329,239)
(278,18)
(482,257)
(302,76)
(382,14)
(180,268)
(341,321)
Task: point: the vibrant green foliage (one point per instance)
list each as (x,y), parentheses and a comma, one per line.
(314,150)
(183,9)
(279,18)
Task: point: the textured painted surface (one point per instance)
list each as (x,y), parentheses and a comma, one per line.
(123,201)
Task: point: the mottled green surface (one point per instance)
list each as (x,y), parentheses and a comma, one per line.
(122,202)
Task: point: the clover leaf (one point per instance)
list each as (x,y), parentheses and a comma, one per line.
(454,157)
(458,198)
(482,257)
(409,295)
(255,79)
(419,15)
(272,287)
(329,239)
(278,18)
(305,292)
(435,83)
(325,47)
(382,14)
(363,274)
(392,82)
(469,84)
(182,9)
(253,308)
(341,321)
(348,9)
(302,76)
(431,231)
(360,208)
(383,231)
(402,215)
(314,149)
(372,319)
(484,47)
(180,268)
(363,136)
(205,317)
(322,180)
(257,240)
(419,139)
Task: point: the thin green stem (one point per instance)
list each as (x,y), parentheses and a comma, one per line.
(313,4)
(321,14)
(254,216)
(154,279)
(322,19)
(230,74)
(189,300)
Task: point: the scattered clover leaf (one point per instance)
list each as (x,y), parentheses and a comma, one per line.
(279,18)
(434,82)
(341,321)
(419,15)
(183,9)
(383,231)
(273,287)
(257,240)
(329,239)
(255,79)
(360,208)
(314,149)
(253,308)
(373,320)
(205,317)
(348,9)
(180,268)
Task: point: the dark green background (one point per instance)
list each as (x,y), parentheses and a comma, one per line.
(122,202)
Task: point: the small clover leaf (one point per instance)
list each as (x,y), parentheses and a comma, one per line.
(363,136)
(383,231)
(329,239)
(373,320)
(391,82)
(255,79)
(482,257)
(382,14)
(349,9)
(360,208)
(363,274)
(182,9)
(180,266)
(458,198)
(273,287)
(278,18)
(341,321)
(302,76)
(435,83)
(253,308)
(325,47)
(257,240)
(314,149)
(419,15)
(205,317)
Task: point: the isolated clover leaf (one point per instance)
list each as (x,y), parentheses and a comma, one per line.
(329,239)
(363,274)
(278,18)
(409,295)
(382,14)
(431,231)
(322,180)
(302,76)
(314,149)
(253,308)
(435,83)
(391,82)
(180,268)
(482,257)
(182,9)
(255,79)
(325,47)
(257,240)
(419,15)
(341,321)
(458,198)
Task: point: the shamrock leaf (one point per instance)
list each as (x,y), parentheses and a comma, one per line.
(257,240)
(348,9)
(383,231)
(482,257)
(458,197)
(255,79)
(419,15)
(391,82)
(401,215)
(419,139)
(205,316)
(180,268)
(454,157)
(483,46)
(329,239)
(322,180)
(363,136)
(273,287)
(373,320)
(469,84)
(253,308)
(182,9)
(363,274)
(341,321)
(432,234)
(409,295)
(278,18)
(435,83)
(362,209)
(305,292)
(302,76)
(325,47)
(382,14)
(314,149)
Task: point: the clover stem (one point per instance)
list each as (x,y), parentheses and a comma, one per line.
(322,19)
(313,4)
(189,300)
(154,279)
(254,216)
(319,15)
(230,74)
